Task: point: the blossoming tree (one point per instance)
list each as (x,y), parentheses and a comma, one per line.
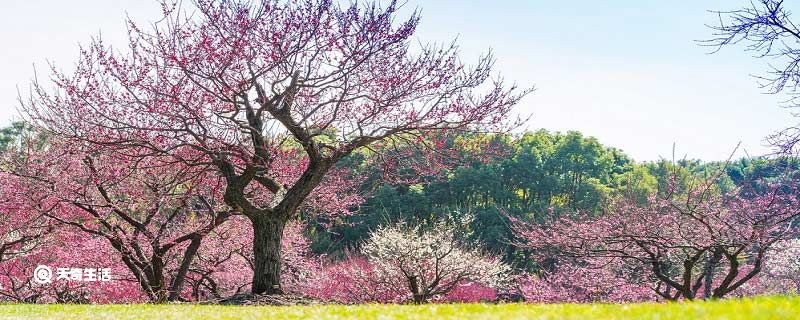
(239,83)
(690,244)
(21,241)
(584,283)
(427,263)
(783,262)
(148,211)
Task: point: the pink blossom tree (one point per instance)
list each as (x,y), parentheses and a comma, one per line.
(689,244)
(33,238)
(20,229)
(236,85)
(23,239)
(585,283)
(154,215)
(21,246)
(354,280)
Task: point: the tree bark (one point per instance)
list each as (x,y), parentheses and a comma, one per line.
(177,283)
(267,235)
(797,287)
(419,297)
(156,279)
(712,260)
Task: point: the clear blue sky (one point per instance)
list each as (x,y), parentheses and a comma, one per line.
(626,72)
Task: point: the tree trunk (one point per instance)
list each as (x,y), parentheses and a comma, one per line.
(267,235)
(418,297)
(156,280)
(712,260)
(797,287)
(176,287)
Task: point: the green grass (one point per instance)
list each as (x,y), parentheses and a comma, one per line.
(778,307)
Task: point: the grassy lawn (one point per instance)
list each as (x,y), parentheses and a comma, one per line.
(758,308)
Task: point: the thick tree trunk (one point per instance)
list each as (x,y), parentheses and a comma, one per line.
(153,282)
(418,297)
(267,235)
(156,280)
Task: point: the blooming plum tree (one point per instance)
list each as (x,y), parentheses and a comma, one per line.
(426,263)
(586,283)
(783,261)
(246,85)
(145,209)
(353,281)
(692,244)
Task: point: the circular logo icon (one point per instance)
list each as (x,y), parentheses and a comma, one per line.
(42,274)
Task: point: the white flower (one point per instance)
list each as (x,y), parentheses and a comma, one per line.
(430,262)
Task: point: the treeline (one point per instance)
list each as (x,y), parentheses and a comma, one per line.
(529,176)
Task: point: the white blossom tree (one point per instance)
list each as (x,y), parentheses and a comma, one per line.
(429,262)
(783,261)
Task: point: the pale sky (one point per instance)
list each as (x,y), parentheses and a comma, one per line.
(626,72)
